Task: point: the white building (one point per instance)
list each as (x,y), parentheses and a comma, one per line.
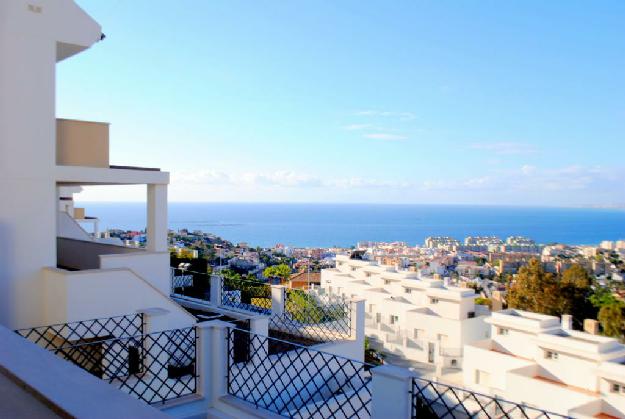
(538,360)
(420,319)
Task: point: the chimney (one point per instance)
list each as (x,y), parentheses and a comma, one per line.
(591,326)
(567,322)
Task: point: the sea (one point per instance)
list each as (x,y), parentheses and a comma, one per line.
(326,225)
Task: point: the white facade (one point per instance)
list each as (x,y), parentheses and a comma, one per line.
(419,319)
(534,359)
(45,240)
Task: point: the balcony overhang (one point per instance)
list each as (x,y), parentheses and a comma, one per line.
(80,175)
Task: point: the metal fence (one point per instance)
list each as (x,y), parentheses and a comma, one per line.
(294,381)
(312,317)
(432,400)
(154,367)
(246,295)
(56,336)
(188,283)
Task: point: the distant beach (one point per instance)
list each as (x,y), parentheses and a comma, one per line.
(324,225)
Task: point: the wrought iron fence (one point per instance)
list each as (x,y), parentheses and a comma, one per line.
(246,295)
(56,336)
(155,367)
(188,283)
(312,317)
(431,400)
(294,381)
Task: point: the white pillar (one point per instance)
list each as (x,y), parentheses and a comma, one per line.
(357,319)
(150,319)
(212,359)
(278,300)
(157,218)
(391,392)
(216,298)
(259,346)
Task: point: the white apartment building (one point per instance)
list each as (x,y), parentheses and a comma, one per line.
(540,361)
(420,319)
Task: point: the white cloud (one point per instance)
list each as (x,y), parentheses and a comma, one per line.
(505,148)
(385,136)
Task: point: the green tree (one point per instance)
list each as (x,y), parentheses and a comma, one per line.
(535,290)
(574,293)
(281,271)
(612,319)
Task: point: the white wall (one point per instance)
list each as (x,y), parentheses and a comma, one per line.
(83,295)
(151,266)
(27,145)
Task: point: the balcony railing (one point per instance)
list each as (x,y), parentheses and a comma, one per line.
(56,336)
(190,284)
(294,381)
(312,317)
(450,352)
(246,295)
(155,367)
(435,400)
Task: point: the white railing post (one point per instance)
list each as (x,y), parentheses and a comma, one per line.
(259,346)
(216,289)
(357,319)
(151,319)
(278,300)
(391,392)
(212,360)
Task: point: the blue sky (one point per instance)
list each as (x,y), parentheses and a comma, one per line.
(490,102)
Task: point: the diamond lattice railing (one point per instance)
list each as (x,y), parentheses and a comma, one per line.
(294,381)
(432,400)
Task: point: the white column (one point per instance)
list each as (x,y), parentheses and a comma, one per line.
(150,319)
(212,358)
(157,218)
(259,346)
(391,392)
(357,319)
(278,300)
(216,298)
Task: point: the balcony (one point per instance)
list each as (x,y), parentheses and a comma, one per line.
(82,143)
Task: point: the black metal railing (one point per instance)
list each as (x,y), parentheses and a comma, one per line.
(311,317)
(295,381)
(56,336)
(192,284)
(242,294)
(431,400)
(155,367)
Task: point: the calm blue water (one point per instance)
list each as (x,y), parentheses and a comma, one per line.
(344,224)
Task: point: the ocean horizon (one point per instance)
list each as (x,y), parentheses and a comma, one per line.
(325,225)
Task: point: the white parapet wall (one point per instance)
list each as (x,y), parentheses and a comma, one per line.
(81,295)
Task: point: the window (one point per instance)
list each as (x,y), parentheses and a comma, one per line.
(551,355)
(454,363)
(471,314)
(433,300)
(502,331)
(387,282)
(371,306)
(618,388)
(407,290)
(394,319)
(378,317)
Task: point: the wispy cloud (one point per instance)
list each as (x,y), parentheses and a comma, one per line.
(385,136)
(505,148)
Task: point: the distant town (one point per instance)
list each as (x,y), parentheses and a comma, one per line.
(475,259)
